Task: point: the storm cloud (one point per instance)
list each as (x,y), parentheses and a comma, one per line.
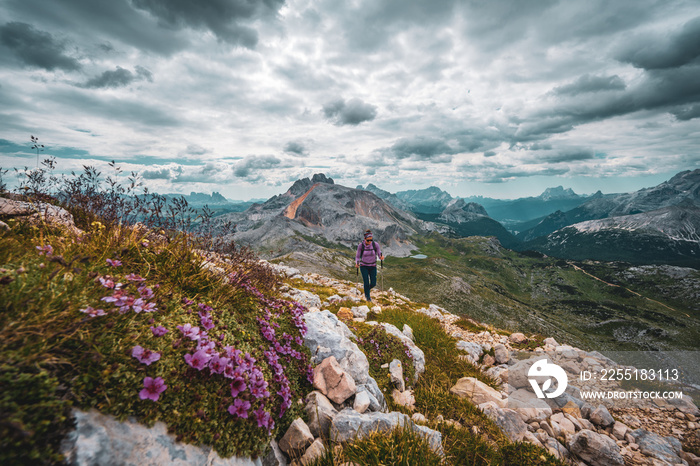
(37,48)
(119,77)
(224,18)
(353,112)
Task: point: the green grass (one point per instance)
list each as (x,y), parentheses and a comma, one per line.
(55,357)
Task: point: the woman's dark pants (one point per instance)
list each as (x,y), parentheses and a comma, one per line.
(369,276)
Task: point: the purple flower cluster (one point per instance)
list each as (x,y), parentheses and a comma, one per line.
(93,312)
(159,331)
(152,388)
(114,262)
(145,356)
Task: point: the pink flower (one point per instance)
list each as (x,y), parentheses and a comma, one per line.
(237,386)
(93,312)
(217,364)
(190,332)
(198,360)
(145,356)
(132,277)
(207,323)
(114,262)
(159,331)
(153,388)
(48,250)
(145,292)
(107,282)
(239,408)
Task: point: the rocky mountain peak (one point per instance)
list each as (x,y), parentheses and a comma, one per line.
(464,206)
(304,184)
(558,193)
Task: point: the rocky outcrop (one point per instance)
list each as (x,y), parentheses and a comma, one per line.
(102,439)
(350,425)
(595,449)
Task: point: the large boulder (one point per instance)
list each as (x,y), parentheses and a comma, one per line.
(297,438)
(304,297)
(328,336)
(595,449)
(417,353)
(662,448)
(601,417)
(38,212)
(337,384)
(508,420)
(320,413)
(349,425)
(477,391)
(474,350)
(102,439)
(528,405)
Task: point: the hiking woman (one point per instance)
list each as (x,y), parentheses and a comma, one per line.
(366,260)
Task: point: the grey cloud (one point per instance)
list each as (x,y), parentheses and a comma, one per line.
(162,174)
(120,77)
(671,90)
(587,83)
(422,148)
(37,48)
(687,112)
(248,165)
(489,153)
(565,156)
(295,148)
(222,17)
(353,112)
(109,23)
(655,52)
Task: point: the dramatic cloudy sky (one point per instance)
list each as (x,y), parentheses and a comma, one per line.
(501,97)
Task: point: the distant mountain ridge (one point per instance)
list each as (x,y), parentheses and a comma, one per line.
(669,235)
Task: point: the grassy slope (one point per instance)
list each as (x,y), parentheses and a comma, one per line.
(545,295)
(55,357)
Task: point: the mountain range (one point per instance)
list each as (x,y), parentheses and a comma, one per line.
(652,225)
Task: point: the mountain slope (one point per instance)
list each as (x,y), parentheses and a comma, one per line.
(317,211)
(670,235)
(684,185)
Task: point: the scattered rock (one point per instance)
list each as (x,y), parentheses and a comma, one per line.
(297,438)
(406,398)
(473,349)
(477,391)
(418,417)
(565,425)
(601,417)
(551,341)
(337,384)
(572,409)
(360,312)
(304,297)
(517,338)
(345,314)
(595,449)
(619,430)
(274,456)
(508,420)
(377,309)
(362,402)
(501,353)
(320,413)
(528,405)
(314,451)
(417,353)
(662,448)
(396,374)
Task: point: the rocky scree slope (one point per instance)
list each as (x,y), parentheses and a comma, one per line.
(568,427)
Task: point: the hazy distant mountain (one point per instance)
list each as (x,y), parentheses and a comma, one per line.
(316,210)
(684,185)
(558,193)
(432,200)
(669,235)
(200,198)
(471,219)
(392,199)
